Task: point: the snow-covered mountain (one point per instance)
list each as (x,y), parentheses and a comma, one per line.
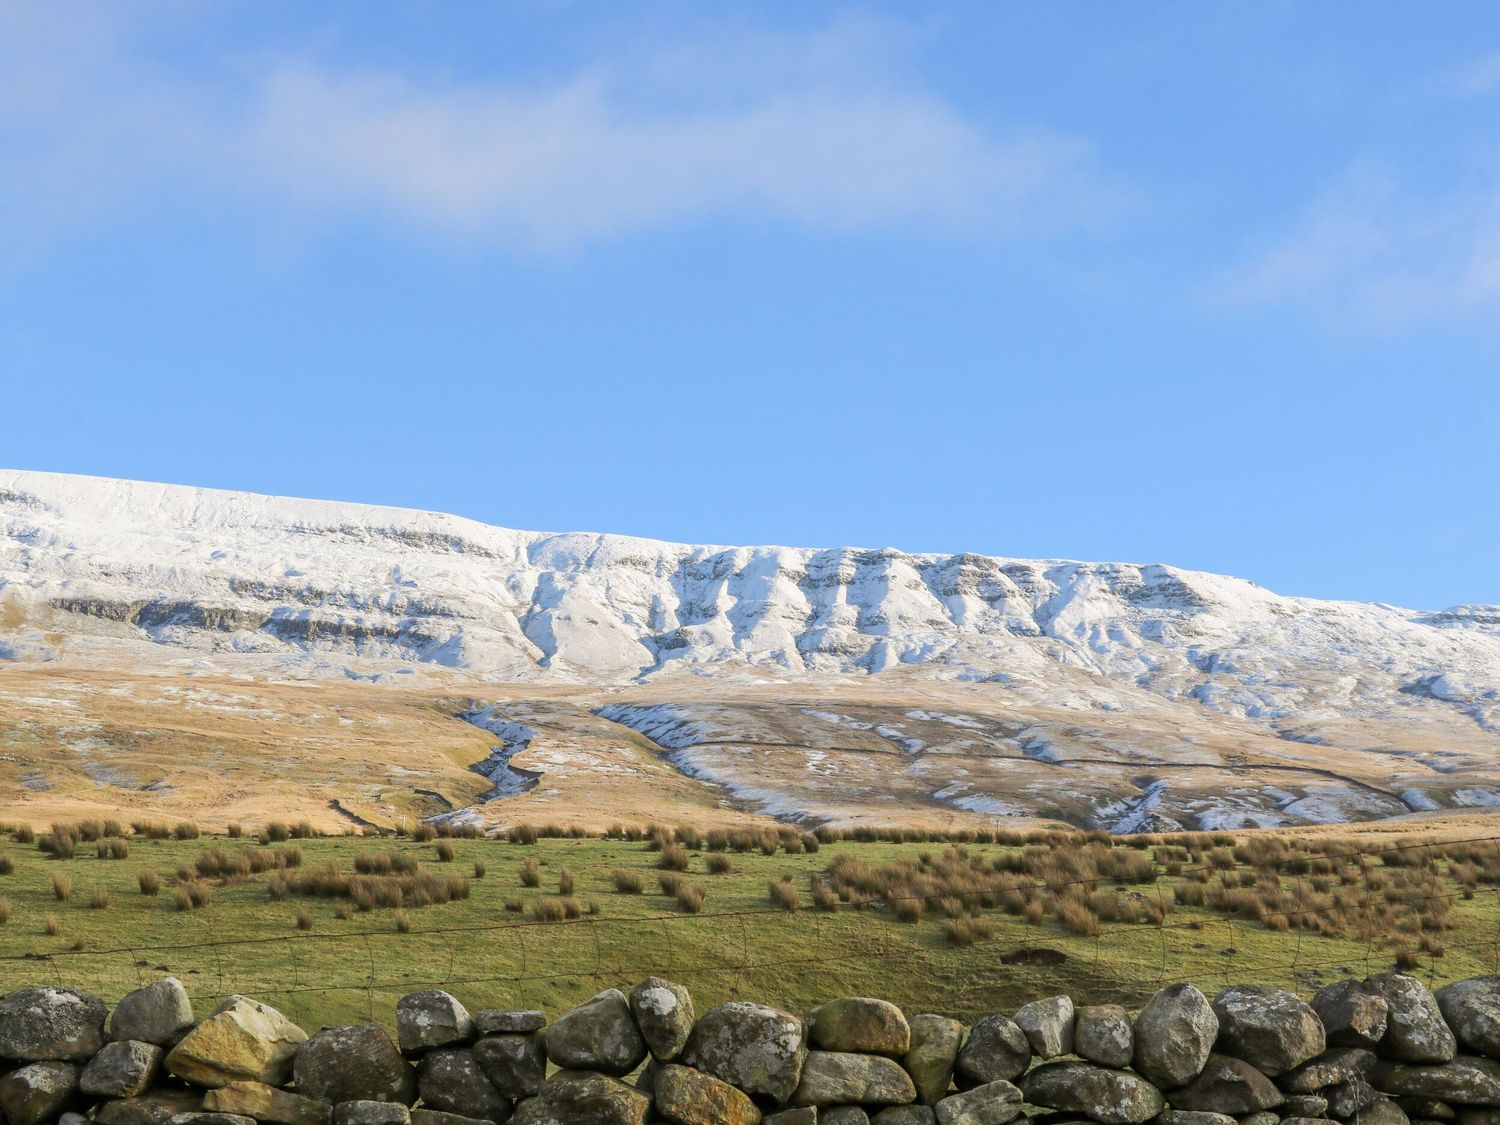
(326,585)
(97,569)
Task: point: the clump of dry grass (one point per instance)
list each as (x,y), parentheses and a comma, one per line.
(445,852)
(690,898)
(627,882)
(785,896)
(673,857)
(62,887)
(530,874)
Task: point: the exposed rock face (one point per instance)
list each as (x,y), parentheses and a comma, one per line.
(1351,1015)
(242,1039)
(431,1019)
(159,1013)
(664,1013)
(1113,1097)
(450,1079)
(1174,1034)
(935,1041)
(996,1050)
(859,1023)
(354,1063)
(1227,1085)
(690,1097)
(39,1092)
(600,1035)
(267,1104)
(42,1024)
(571,1097)
(121,1069)
(1270,1029)
(843,1078)
(1415,1031)
(515,1064)
(1048,1025)
(993,1103)
(758,1049)
(1102,1034)
(1471,1008)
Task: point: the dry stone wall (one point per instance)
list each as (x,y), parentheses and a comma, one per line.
(1379,1051)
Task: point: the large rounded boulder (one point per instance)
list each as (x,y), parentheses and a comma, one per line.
(996,1050)
(1471,1009)
(1415,1031)
(1272,1030)
(756,1048)
(1174,1034)
(1113,1097)
(358,1063)
(599,1035)
(51,1024)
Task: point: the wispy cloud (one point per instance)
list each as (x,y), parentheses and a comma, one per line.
(1472,78)
(828,130)
(1371,253)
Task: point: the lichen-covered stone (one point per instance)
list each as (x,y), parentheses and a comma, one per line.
(154,1107)
(690,1097)
(451,1080)
(993,1103)
(1174,1034)
(159,1013)
(1414,1030)
(996,1050)
(38,1092)
(1466,1080)
(571,1097)
(759,1049)
(242,1039)
(354,1063)
(267,1104)
(431,1019)
(365,1112)
(600,1035)
(1102,1034)
(860,1023)
(1271,1029)
(1048,1025)
(1471,1009)
(935,1041)
(846,1078)
(1114,1097)
(797,1115)
(905,1115)
(1192,1117)
(499,1021)
(51,1024)
(664,1013)
(1335,1065)
(1227,1085)
(121,1070)
(1351,1016)
(515,1064)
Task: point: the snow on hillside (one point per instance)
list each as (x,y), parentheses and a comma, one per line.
(326,588)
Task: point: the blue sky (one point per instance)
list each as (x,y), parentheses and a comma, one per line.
(1215,285)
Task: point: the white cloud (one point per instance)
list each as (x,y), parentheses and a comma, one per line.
(827,130)
(1370,253)
(1473,78)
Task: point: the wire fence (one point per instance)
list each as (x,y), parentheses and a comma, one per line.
(750,952)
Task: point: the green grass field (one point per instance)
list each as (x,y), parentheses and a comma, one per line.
(353,968)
